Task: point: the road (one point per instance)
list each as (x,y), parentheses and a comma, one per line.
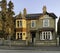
(41,48)
(27,51)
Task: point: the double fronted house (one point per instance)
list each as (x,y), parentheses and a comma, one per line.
(33,29)
(38,29)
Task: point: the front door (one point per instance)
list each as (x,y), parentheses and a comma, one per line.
(33,34)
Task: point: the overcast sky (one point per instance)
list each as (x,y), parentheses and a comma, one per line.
(35,6)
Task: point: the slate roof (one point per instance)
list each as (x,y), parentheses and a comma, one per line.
(52,15)
(36,16)
(33,16)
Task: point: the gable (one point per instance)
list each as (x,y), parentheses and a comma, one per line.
(45,17)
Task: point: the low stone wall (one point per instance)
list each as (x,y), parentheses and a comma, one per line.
(45,43)
(14,43)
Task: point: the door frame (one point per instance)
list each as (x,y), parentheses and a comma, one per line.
(33,35)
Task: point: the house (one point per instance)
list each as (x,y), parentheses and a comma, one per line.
(38,29)
(34,29)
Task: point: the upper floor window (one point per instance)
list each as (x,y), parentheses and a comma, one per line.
(33,23)
(17,23)
(20,23)
(46,23)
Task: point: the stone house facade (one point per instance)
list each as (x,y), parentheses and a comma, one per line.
(38,29)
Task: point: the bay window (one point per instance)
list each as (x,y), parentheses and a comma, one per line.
(46,35)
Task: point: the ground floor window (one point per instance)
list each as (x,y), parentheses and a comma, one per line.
(46,35)
(19,35)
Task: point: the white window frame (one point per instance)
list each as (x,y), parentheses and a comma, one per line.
(17,23)
(47,34)
(45,22)
(20,25)
(34,23)
(20,22)
(19,35)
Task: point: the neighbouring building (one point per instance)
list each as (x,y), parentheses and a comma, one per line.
(58,29)
(39,28)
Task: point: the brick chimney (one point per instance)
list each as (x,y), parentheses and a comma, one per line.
(44,9)
(24,12)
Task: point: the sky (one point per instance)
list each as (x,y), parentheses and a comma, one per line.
(35,6)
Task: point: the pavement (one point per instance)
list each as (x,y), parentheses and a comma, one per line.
(40,48)
(27,51)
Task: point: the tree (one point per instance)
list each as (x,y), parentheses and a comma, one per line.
(10,18)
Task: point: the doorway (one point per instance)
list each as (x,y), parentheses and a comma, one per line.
(33,35)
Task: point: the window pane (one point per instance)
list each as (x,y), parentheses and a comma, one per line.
(20,36)
(20,23)
(46,23)
(50,35)
(40,36)
(33,23)
(20,33)
(23,33)
(17,33)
